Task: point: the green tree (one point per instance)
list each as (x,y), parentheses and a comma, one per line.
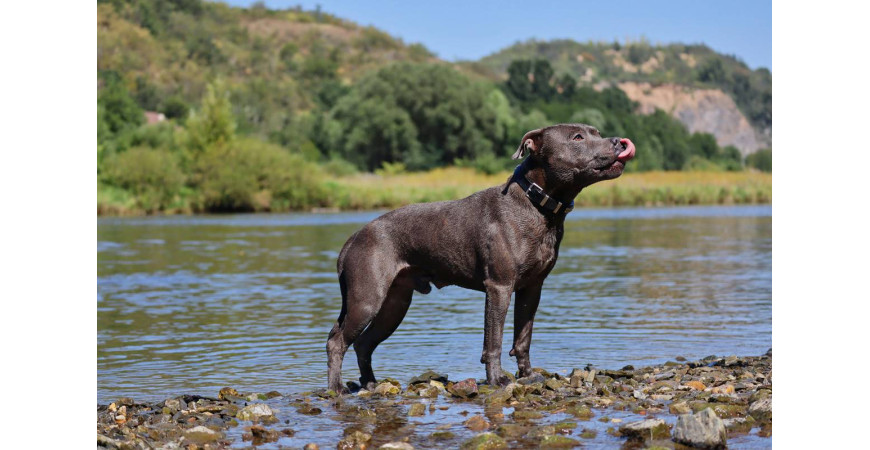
(712,71)
(213,124)
(704,144)
(518,83)
(387,111)
(761,160)
(120,110)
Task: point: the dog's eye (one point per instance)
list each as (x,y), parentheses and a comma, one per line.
(578,137)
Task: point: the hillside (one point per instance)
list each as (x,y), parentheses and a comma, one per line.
(681,79)
(203,107)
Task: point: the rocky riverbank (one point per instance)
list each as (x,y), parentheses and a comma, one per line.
(711,403)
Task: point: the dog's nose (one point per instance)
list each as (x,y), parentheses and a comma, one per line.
(617,144)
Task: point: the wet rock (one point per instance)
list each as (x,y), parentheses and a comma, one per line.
(703,430)
(261,435)
(532,379)
(581,412)
(311,446)
(557,441)
(107,442)
(590,376)
(273,394)
(554,384)
(721,410)
(477,423)
(679,408)
(201,435)
(397,446)
(428,376)
(386,389)
(539,432)
(308,410)
(762,410)
(588,434)
(696,385)
(565,427)
(724,389)
(354,439)
(485,389)
(484,441)
(442,435)
(512,430)
(501,395)
(417,409)
(255,412)
(739,424)
(646,430)
(226,392)
(464,389)
(173,404)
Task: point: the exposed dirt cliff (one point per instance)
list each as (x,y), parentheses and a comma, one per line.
(701,110)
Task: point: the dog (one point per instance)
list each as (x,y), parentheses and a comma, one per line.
(498,241)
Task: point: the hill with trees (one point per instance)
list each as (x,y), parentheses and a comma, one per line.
(257,109)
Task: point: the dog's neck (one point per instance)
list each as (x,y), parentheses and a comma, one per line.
(538,175)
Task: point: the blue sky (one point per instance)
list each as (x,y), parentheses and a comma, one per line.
(472,29)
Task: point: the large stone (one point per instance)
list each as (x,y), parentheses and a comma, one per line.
(387,389)
(427,376)
(201,435)
(702,430)
(532,379)
(477,423)
(254,412)
(646,430)
(762,410)
(417,409)
(501,395)
(464,389)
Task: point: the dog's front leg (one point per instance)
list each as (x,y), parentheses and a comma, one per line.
(498,299)
(525,305)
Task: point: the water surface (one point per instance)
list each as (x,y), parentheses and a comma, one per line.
(193,304)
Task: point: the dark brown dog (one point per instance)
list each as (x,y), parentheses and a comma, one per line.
(501,240)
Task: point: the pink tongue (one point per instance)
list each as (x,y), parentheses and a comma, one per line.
(628,153)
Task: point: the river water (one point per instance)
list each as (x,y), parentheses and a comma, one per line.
(193,304)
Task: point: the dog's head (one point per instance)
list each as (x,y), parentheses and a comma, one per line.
(575,154)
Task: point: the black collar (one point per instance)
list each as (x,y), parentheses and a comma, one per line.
(537,195)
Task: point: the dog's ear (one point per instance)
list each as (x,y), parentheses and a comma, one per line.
(531,142)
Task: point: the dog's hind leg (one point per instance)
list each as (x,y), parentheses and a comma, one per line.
(362,298)
(383,325)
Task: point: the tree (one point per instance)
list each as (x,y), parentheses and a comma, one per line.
(120,110)
(213,123)
(761,160)
(542,79)
(518,84)
(712,71)
(444,112)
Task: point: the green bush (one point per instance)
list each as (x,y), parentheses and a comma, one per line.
(152,175)
(761,160)
(252,175)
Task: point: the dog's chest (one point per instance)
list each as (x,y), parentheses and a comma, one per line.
(543,253)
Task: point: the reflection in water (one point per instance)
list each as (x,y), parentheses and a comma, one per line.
(192,304)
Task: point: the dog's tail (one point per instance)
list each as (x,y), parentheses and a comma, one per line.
(342,283)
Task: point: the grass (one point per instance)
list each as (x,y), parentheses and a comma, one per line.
(371,191)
